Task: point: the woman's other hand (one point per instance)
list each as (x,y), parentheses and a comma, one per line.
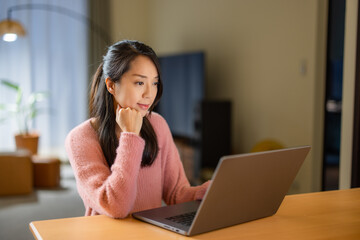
(129,120)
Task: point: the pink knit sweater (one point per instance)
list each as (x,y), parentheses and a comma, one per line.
(126,187)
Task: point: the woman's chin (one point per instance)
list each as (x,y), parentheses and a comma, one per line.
(144,114)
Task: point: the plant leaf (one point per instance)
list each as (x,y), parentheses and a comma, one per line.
(33,114)
(11,85)
(15,87)
(11,107)
(19,96)
(37,97)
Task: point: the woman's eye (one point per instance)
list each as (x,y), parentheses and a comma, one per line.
(156,83)
(139,83)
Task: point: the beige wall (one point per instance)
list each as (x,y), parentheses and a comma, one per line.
(129,19)
(265,56)
(348,93)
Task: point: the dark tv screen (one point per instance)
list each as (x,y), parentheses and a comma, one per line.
(183,80)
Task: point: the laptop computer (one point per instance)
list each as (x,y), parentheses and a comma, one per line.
(244,187)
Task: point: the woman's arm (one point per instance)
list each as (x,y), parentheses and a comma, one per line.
(107,191)
(176,188)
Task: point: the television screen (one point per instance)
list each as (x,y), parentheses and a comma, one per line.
(183,80)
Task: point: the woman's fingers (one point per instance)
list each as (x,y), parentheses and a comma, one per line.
(129,120)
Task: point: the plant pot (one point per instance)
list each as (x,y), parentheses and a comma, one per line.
(27,141)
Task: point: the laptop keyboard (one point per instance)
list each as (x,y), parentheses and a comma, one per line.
(184,219)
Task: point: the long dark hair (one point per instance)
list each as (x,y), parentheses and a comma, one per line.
(115,63)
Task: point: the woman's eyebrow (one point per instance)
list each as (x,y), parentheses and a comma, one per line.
(139,75)
(143,76)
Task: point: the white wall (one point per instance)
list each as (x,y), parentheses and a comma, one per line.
(266,56)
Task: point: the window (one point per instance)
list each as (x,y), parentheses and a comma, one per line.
(52,57)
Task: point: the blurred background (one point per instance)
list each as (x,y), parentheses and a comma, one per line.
(239,76)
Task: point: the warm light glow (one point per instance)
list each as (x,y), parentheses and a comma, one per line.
(9,37)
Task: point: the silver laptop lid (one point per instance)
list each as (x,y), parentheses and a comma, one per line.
(246,187)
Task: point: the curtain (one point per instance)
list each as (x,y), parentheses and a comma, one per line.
(52,57)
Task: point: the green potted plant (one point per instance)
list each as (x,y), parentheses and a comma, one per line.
(24,111)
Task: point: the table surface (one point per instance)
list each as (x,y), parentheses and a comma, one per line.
(321,215)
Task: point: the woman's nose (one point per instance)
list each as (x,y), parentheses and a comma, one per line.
(147,91)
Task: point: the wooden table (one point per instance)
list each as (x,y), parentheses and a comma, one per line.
(322,215)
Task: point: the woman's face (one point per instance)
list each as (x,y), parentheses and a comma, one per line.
(137,87)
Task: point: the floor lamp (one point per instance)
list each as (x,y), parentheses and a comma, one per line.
(10,29)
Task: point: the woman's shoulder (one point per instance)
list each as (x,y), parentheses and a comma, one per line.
(82,132)
(82,145)
(157,120)
(156,117)
(159,123)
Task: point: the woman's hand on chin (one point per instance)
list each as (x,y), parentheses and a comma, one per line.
(129,120)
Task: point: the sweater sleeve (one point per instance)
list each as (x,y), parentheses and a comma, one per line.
(109,191)
(176,188)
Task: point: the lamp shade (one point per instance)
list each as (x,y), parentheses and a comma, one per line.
(11,27)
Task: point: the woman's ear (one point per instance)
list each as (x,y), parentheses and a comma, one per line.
(110,85)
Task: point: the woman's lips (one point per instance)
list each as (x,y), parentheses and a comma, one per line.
(144,106)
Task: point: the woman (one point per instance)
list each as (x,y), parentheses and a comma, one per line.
(124,157)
